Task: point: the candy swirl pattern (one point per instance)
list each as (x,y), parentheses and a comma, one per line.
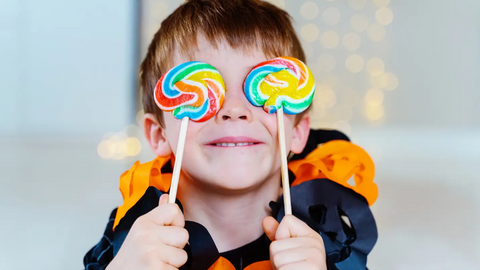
(193,89)
(281,82)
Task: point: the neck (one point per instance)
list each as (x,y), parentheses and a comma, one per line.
(233,218)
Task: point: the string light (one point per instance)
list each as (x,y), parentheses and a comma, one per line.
(139,117)
(310,32)
(381,3)
(309,10)
(389,81)
(374,97)
(374,113)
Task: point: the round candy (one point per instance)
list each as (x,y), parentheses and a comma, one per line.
(281,82)
(193,89)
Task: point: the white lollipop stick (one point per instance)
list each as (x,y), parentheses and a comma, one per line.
(283,155)
(178,160)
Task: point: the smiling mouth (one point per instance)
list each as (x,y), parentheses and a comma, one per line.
(233,144)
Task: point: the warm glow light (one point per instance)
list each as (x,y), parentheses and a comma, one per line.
(132,146)
(389,81)
(374,113)
(354,63)
(326,62)
(357,4)
(384,16)
(310,32)
(376,32)
(278,3)
(359,22)
(161,11)
(309,10)
(139,118)
(329,39)
(325,96)
(374,97)
(343,126)
(105,149)
(381,3)
(375,66)
(331,16)
(351,41)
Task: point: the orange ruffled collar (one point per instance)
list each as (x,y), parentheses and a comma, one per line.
(336,160)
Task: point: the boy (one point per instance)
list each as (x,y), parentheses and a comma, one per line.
(226,193)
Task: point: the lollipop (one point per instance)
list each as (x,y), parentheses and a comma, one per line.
(192,90)
(281,84)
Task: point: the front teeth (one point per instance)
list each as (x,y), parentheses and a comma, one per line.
(233,144)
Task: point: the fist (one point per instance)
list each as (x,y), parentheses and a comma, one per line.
(294,245)
(155,241)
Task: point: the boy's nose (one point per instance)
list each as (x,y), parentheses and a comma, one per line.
(235,107)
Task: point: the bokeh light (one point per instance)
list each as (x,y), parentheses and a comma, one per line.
(374,113)
(376,32)
(354,63)
(139,118)
(326,62)
(357,4)
(375,66)
(384,16)
(278,3)
(331,16)
(389,81)
(329,39)
(374,97)
(381,3)
(310,32)
(343,126)
(132,146)
(359,22)
(351,41)
(325,96)
(309,10)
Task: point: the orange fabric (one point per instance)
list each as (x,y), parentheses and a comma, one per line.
(224,264)
(335,160)
(134,183)
(339,161)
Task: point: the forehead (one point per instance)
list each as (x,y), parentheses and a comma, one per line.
(221,55)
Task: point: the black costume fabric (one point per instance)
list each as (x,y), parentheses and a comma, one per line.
(341,216)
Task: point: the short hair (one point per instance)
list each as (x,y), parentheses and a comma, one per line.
(243,24)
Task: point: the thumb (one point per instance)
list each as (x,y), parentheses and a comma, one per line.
(163,199)
(290,226)
(270,226)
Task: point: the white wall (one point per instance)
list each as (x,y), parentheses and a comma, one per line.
(67,66)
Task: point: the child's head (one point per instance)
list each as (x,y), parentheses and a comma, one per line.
(232,36)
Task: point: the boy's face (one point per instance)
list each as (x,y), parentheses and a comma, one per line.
(238,167)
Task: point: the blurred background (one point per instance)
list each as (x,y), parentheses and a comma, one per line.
(401,78)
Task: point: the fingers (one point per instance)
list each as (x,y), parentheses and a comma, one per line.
(166,214)
(174,256)
(293,243)
(290,226)
(292,256)
(174,236)
(270,226)
(304,265)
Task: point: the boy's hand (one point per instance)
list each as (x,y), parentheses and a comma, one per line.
(294,245)
(155,241)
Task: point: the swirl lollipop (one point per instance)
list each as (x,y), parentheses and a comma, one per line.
(281,84)
(192,90)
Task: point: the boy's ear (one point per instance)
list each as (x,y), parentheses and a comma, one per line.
(300,134)
(156,135)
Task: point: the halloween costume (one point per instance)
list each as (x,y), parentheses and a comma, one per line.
(321,197)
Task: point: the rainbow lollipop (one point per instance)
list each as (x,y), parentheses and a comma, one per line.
(192,90)
(281,84)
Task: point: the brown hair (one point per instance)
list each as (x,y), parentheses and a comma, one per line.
(244,24)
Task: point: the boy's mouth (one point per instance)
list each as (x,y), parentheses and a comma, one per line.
(231,141)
